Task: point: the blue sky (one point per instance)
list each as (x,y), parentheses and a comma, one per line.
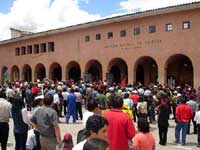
(5,5)
(42,15)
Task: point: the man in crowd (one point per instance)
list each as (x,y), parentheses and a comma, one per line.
(96,127)
(183,115)
(45,120)
(121,128)
(5,108)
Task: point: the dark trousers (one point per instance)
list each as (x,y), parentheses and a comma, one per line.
(79,110)
(65,107)
(163,134)
(194,125)
(20,141)
(37,138)
(135,112)
(4,131)
(198,133)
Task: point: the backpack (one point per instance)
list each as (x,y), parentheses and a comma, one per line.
(82,135)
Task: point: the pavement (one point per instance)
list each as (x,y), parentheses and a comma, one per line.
(74,128)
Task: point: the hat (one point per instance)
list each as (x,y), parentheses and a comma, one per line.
(67,137)
(39,97)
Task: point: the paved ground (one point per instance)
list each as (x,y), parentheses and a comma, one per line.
(74,128)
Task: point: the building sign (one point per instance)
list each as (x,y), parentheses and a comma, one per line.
(136,45)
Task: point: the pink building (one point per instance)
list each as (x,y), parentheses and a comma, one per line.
(157,45)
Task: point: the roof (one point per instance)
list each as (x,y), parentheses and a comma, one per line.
(126,17)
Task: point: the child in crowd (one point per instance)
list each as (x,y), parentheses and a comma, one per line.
(144,139)
(67,142)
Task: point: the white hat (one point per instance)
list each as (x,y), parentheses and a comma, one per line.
(39,97)
(147,92)
(141,91)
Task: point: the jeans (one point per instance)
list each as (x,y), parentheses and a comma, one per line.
(20,141)
(4,131)
(181,126)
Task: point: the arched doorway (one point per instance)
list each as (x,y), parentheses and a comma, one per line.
(93,70)
(146,70)
(4,74)
(40,72)
(73,71)
(27,73)
(55,72)
(179,70)
(117,70)
(15,75)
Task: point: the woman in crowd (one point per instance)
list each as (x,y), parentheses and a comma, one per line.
(20,127)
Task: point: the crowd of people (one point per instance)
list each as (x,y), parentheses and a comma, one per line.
(112,111)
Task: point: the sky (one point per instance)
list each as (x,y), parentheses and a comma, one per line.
(42,15)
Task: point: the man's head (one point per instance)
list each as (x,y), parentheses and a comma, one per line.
(96,127)
(92,105)
(48,99)
(116,101)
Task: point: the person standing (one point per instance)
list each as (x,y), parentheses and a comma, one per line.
(45,120)
(120,128)
(71,106)
(183,115)
(193,105)
(20,127)
(197,119)
(163,117)
(78,104)
(5,109)
(143,140)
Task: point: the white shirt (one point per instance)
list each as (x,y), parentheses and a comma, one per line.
(80,145)
(26,116)
(56,99)
(197,117)
(65,94)
(78,96)
(5,110)
(86,115)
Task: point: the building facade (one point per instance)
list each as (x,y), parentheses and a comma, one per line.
(157,45)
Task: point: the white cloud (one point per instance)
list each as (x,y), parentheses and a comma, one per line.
(40,15)
(135,5)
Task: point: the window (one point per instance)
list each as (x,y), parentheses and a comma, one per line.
(136,31)
(152,29)
(186,24)
(17,51)
(36,49)
(43,48)
(29,49)
(169,27)
(122,33)
(51,46)
(23,50)
(87,38)
(98,36)
(110,35)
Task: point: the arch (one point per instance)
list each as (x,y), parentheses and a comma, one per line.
(27,73)
(4,74)
(94,70)
(55,72)
(40,72)
(73,71)
(179,70)
(117,70)
(15,74)
(146,70)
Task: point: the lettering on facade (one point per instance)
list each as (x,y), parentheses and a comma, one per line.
(134,45)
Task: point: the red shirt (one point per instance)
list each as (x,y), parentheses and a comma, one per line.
(120,129)
(183,113)
(134,98)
